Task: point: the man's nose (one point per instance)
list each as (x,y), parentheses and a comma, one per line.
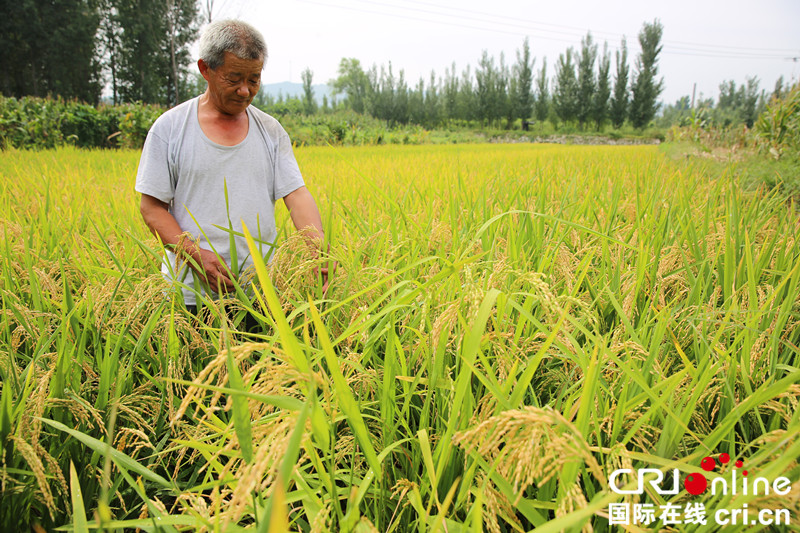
(242,90)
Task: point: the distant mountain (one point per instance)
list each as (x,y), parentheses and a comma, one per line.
(289,89)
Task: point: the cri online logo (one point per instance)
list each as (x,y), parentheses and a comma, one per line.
(696,484)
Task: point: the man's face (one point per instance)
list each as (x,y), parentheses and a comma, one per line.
(234,84)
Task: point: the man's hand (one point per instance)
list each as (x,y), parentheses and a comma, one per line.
(205,263)
(326,273)
(211,269)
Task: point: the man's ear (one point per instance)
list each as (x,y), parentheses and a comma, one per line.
(202,66)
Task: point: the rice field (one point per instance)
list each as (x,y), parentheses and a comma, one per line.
(509,325)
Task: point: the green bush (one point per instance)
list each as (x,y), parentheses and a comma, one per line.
(778,127)
(344,127)
(30,122)
(40,123)
(87,126)
(134,123)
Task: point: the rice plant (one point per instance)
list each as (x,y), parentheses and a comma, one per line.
(508,325)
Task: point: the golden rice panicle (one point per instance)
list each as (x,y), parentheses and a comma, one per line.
(363,380)
(273,377)
(271,438)
(777,441)
(185,240)
(34,461)
(30,425)
(619,457)
(528,446)
(321,522)
(496,507)
(786,403)
(271,429)
(445,322)
(364,525)
(574,500)
(214,373)
(440,237)
(344,453)
(646,436)
(292,265)
(401,489)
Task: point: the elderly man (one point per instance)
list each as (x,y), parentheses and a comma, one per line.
(214,162)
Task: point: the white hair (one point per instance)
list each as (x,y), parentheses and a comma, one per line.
(234,36)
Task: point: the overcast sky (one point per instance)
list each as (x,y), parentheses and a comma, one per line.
(705,42)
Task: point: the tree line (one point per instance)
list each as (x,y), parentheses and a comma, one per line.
(138,51)
(73,49)
(736,104)
(497,93)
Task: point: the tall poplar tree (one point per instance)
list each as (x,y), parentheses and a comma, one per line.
(490,89)
(401,109)
(603,92)
(432,103)
(309,103)
(523,74)
(646,88)
(586,80)
(565,92)
(450,92)
(467,100)
(542,104)
(416,103)
(619,100)
(383,99)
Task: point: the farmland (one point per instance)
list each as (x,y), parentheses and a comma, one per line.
(509,324)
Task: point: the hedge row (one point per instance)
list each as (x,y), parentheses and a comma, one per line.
(37,123)
(31,122)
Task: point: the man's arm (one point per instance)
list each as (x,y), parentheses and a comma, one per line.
(305,215)
(306,218)
(212,269)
